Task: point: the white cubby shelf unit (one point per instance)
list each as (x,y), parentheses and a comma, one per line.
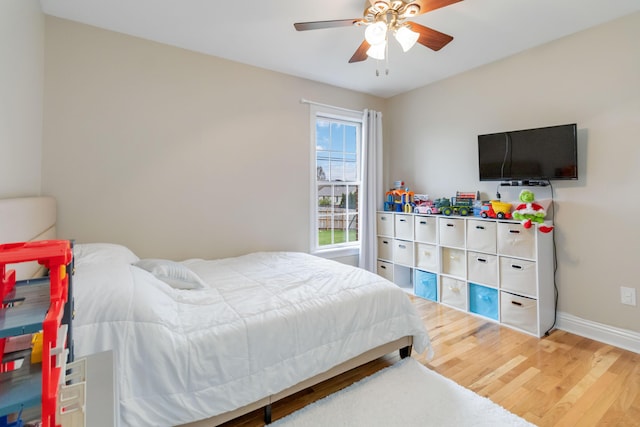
(494,268)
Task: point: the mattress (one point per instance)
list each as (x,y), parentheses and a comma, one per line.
(252,326)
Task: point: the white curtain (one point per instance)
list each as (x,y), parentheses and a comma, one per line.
(371,187)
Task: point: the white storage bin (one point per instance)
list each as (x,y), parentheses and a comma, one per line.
(451,231)
(453,292)
(385,248)
(426,228)
(403,252)
(427,257)
(482,268)
(384,222)
(454,262)
(515,240)
(481,236)
(519,312)
(518,275)
(385,269)
(404,226)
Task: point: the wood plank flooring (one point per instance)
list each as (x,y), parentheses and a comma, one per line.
(559,380)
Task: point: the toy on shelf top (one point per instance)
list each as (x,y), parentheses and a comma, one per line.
(461,204)
(399,199)
(530,212)
(496,209)
(424,205)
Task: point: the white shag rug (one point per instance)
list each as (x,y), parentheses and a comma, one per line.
(405,394)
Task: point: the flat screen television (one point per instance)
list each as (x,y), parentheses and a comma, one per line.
(540,154)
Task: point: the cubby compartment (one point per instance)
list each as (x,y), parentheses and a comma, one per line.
(403,252)
(452,231)
(482,268)
(518,276)
(403,277)
(519,312)
(404,227)
(483,301)
(481,236)
(385,269)
(454,262)
(426,285)
(515,240)
(385,248)
(426,229)
(384,222)
(453,292)
(427,256)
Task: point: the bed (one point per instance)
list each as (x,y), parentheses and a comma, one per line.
(200,342)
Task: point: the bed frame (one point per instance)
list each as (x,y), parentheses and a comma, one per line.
(34,218)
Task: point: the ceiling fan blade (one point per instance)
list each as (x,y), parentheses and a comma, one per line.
(429,37)
(361,52)
(317,25)
(429,5)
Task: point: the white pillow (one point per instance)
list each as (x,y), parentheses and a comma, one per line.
(172,273)
(102,253)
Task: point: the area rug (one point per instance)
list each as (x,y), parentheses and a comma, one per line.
(405,394)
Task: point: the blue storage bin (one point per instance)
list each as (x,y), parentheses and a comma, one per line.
(426,285)
(483,301)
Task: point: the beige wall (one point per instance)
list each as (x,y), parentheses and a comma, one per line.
(591,78)
(21,86)
(173,153)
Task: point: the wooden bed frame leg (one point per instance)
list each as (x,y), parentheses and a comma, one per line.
(267,414)
(405,352)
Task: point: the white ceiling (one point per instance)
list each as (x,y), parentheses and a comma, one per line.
(261,33)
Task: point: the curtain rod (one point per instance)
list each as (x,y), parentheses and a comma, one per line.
(306,101)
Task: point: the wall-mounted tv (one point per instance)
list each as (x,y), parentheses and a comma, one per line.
(540,154)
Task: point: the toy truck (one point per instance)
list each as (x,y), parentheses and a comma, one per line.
(496,209)
(461,204)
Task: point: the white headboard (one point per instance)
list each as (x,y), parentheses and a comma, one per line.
(25,219)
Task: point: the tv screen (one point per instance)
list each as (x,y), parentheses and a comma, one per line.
(547,153)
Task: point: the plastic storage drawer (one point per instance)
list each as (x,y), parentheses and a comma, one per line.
(518,275)
(453,262)
(426,256)
(515,240)
(483,301)
(384,222)
(519,312)
(426,228)
(403,252)
(426,285)
(385,269)
(404,226)
(451,232)
(481,236)
(385,248)
(482,268)
(453,292)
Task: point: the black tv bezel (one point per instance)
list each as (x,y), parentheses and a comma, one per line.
(532,180)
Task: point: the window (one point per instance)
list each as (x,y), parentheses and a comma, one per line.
(337,141)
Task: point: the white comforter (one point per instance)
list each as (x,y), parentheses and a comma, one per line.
(264,322)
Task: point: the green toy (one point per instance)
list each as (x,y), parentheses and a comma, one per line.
(529,212)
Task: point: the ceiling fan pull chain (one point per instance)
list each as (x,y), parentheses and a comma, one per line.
(386,58)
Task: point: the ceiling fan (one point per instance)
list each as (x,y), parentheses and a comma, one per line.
(382,17)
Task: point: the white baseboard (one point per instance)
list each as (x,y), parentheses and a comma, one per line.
(623,338)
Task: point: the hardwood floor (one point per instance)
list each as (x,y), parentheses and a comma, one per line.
(559,380)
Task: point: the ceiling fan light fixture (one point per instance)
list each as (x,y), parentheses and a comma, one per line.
(406,37)
(376,51)
(376,33)
(412,9)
